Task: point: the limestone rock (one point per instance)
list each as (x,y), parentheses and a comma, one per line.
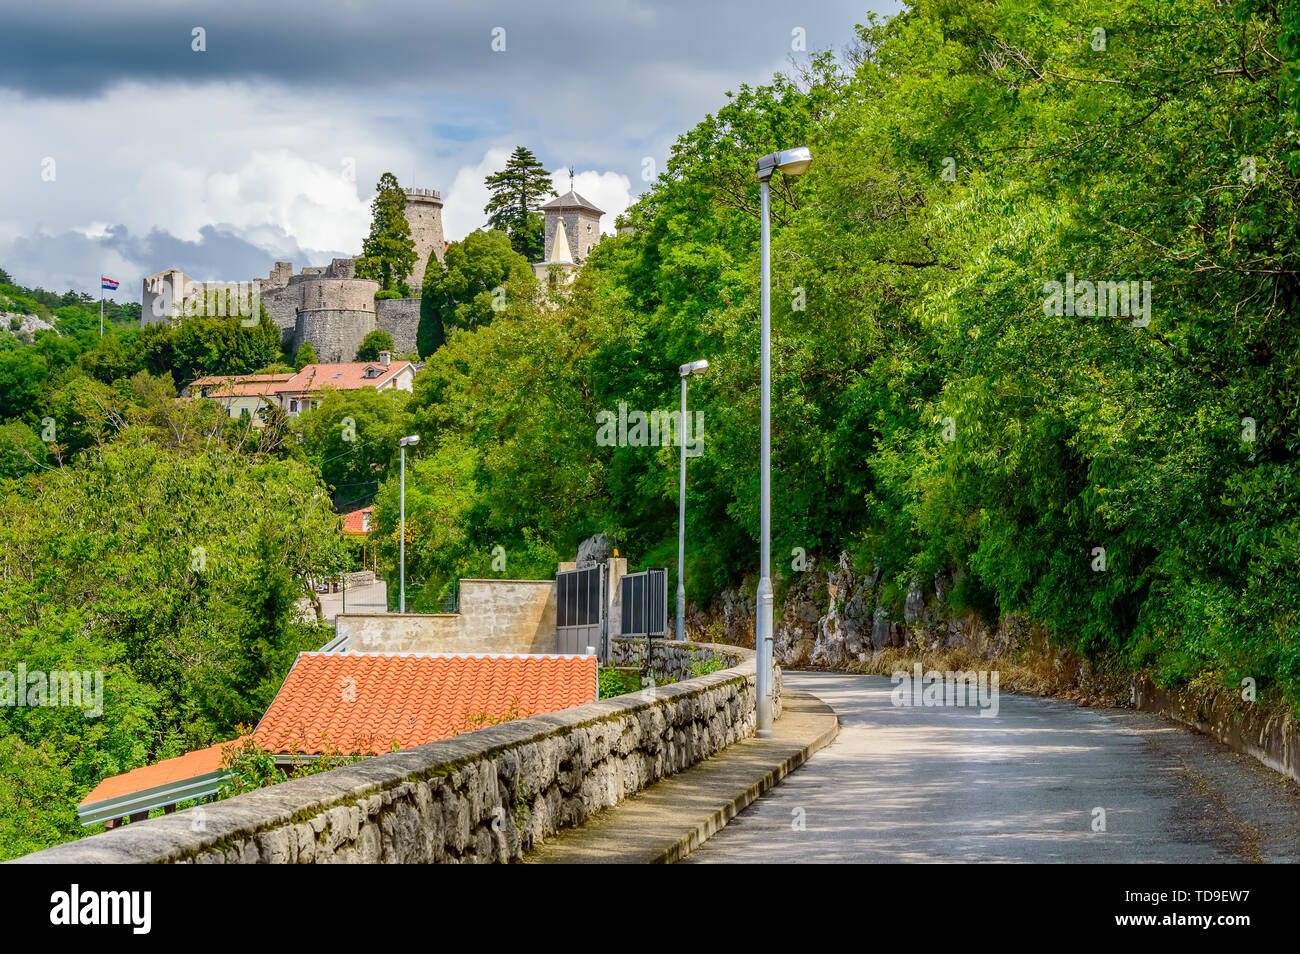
(595,550)
(914,605)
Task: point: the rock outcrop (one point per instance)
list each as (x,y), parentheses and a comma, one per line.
(831,616)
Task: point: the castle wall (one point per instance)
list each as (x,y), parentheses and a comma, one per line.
(343,294)
(160,294)
(335,334)
(400,317)
(281,304)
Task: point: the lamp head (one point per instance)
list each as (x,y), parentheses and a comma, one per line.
(695,367)
(408,441)
(791,162)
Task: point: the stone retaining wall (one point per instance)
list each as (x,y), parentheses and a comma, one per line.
(1270,735)
(672,660)
(485,796)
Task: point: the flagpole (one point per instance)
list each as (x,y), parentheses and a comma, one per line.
(101,306)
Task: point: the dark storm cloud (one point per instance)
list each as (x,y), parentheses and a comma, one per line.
(75,48)
(218,255)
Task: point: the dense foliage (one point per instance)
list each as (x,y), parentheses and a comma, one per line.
(473,283)
(1124,474)
(150,540)
(171,570)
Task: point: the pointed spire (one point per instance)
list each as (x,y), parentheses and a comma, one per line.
(560,252)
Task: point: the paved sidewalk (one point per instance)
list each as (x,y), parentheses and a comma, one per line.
(671,818)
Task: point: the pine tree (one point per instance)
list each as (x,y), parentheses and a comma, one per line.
(517,194)
(388,254)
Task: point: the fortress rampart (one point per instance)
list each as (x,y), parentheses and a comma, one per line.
(326,305)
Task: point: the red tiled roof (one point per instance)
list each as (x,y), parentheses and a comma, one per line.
(187,766)
(344,377)
(355,521)
(363,703)
(237,385)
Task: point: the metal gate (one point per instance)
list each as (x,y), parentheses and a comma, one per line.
(645,603)
(580,610)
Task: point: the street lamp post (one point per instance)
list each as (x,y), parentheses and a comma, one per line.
(401,592)
(686,370)
(791,162)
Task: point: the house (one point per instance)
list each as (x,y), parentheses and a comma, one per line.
(240,394)
(356,527)
(161,785)
(361,704)
(371,703)
(301,391)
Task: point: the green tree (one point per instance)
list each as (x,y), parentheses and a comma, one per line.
(306,355)
(21,450)
(481,277)
(352,440)
(174,574)
(388,253)
(517,194)
(373,343)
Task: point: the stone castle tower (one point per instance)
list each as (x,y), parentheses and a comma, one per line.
(424,213)
(572,231)
(325,305)
(581,224)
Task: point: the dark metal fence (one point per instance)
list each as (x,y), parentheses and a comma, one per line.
(580,610)
(645,603)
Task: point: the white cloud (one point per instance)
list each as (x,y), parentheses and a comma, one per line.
(181,158)
(462,204)
(611,192)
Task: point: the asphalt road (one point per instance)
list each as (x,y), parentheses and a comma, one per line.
(926,784)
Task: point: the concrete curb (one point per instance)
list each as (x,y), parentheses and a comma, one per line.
(666,822)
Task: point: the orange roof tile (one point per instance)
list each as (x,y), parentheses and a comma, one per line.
(343,377)
(364,703)
(236,385)
(355,522)
(187,766)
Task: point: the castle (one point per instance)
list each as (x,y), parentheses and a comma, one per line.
(333,310)
(572,231)
(328,306)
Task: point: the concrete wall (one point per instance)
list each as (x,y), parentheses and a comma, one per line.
(400,317)
(1270,735)
(484,796)
(496,616)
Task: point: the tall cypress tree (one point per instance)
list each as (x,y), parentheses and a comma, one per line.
(517,194)
(388,254)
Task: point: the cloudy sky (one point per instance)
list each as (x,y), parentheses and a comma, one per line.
(128,151)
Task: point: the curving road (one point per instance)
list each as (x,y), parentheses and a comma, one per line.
(903,784)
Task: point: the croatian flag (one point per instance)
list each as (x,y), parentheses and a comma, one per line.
(107,283)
